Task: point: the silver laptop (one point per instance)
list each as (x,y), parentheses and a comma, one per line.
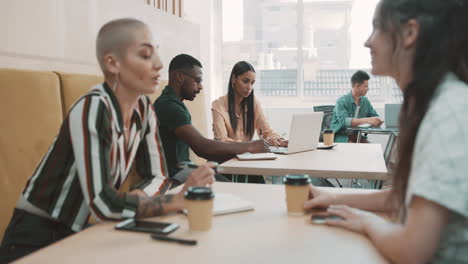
(303,135)
(392,112)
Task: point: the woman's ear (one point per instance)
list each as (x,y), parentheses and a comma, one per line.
(112,64)
(233,80)
(410,33)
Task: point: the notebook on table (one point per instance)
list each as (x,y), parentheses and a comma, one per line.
(226,203)
(304,133)
(256,156)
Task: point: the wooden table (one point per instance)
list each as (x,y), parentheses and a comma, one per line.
(265,235)
(349,161)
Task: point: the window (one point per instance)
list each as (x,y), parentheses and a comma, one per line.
(302,50)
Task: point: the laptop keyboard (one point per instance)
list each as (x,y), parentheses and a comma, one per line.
(278,150)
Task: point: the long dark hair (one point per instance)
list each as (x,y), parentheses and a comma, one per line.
(249,127)
(441,47)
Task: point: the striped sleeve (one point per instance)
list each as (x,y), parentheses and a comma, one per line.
(91,137)
(150,160)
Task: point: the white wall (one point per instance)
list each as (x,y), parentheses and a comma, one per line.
(60,34)
(203,13)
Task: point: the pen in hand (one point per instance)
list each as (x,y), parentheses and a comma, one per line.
(173,239)
(190,165)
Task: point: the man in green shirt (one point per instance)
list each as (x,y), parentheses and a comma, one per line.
(354,109)
(175,122)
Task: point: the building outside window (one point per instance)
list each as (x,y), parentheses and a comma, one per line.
(304,51)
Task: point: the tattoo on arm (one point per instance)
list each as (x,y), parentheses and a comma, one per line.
(154,206)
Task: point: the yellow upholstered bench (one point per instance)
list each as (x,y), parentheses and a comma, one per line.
(33,106)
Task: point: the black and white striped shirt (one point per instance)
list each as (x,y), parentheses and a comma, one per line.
(88,161)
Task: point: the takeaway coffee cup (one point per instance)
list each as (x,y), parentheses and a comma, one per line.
(328,137)
(199,204)
(297,191)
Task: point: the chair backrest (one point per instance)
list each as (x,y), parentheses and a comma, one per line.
(327,117)
(74,86)
(31,110)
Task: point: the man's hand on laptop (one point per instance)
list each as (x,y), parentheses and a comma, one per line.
(381,120)
(375,121)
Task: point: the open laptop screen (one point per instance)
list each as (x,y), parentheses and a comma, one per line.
(304,133)
(392,112)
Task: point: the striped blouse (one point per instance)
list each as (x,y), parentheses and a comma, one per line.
(88,161)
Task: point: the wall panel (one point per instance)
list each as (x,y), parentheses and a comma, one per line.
(60,34)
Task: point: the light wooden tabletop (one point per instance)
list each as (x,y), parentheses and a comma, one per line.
(349,161)
(265,235)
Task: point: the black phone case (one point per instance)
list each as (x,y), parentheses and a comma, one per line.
(130,226)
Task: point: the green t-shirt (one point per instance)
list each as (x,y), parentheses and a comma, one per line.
(172,113)
(345,111)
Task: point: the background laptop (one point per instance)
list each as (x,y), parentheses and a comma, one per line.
(303,135)
(392,112)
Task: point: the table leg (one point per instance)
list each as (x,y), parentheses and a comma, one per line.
(388,148)
(378,184)
(358,139)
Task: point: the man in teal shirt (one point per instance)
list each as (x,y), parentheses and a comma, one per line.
(354,109)
(175,122)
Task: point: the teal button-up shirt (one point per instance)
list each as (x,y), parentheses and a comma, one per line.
(345,111)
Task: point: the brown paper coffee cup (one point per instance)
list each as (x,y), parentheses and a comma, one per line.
(297,191)
(328,137)
(200,214)
(199,204)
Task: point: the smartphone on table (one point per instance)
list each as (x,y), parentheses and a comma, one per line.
(322,218)
(147,226)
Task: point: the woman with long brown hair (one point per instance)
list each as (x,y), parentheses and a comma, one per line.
(237,115)
(422,44)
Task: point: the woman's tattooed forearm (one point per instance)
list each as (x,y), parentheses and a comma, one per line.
(154,206)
